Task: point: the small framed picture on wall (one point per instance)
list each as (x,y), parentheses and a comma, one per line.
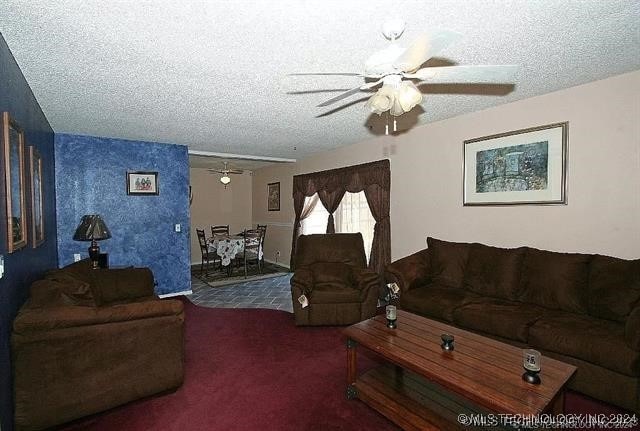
(142,183)
(273,198)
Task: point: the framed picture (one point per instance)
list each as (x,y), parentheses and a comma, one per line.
(37,218)
(142,183)
(13,151)
(273,200)
(525,166)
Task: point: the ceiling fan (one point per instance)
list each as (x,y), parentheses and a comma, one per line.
(398,70)
(225,171)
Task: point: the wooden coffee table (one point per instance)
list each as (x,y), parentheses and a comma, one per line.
(423,387)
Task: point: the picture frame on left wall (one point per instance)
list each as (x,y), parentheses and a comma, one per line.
(142,183)
(273,197)
(13,153)
(37,206)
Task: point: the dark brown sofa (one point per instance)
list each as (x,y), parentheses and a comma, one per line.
(89,340)
(582,309)
(331,271)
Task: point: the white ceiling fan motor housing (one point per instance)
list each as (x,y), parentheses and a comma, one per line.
(393,28)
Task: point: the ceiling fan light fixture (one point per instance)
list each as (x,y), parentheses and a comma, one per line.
(397,99)
(225,180)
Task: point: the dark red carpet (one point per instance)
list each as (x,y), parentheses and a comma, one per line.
(252,369)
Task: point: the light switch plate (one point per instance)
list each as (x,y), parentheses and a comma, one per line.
(76,257)
(177,227)
(1,265)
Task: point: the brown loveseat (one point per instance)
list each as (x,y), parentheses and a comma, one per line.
(331,271)
(89,340)
(582,309)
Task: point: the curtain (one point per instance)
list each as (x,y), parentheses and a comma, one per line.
(378,201)
(330,200)
(302,212)
(374,178)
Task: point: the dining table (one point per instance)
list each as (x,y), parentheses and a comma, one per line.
(228,246)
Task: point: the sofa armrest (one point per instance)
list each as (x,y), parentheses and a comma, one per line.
(68,316)
(410,271)
(632,329)
(302,280)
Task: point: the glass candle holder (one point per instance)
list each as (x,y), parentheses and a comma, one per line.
(531,362)
(391,313)
(447,342)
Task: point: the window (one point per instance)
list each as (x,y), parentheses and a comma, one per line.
(353,215)
(316,222)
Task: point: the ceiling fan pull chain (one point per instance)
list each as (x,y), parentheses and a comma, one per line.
(386,124)
(395,125)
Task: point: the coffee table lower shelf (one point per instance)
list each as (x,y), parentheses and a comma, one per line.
(412,402)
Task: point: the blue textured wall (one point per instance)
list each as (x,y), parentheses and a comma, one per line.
(91,178)
(27,264)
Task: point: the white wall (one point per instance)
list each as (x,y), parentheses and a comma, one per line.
(213,204)
(603,184)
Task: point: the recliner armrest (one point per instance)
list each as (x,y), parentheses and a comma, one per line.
(632,329)
(410,271)
(366,279)
(67,316)
(302,279)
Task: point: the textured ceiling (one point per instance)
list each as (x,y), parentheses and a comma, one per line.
(213,74)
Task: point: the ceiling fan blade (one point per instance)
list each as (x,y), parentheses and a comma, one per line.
(482,74)
(327,74)
(349,93)
(423,48)
(235,171)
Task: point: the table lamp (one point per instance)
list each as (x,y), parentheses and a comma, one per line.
(92,228)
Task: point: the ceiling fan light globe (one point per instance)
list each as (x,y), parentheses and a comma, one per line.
(408,96)
(225,179)
(382,100)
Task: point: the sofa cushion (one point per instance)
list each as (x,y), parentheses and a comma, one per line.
(557,281)
(614,287)
(448,261)
(505,319)
(435,301)
(598,341)
(493,271)
(121,284)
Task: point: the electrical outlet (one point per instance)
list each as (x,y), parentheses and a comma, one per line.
(1,266)
(76,257)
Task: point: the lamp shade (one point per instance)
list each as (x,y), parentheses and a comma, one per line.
(91,228)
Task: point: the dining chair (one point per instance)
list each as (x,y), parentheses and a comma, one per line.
(207,256)
(263,228)
(222,229)
(252,248)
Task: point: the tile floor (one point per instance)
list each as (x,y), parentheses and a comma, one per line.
(271,293)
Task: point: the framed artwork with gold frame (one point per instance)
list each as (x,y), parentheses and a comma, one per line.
(37,206)
(13,153)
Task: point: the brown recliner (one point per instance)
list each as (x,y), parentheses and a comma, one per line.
(89,340)
(331,271)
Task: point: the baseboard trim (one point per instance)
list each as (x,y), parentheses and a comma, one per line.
(286,265)
(169,295)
